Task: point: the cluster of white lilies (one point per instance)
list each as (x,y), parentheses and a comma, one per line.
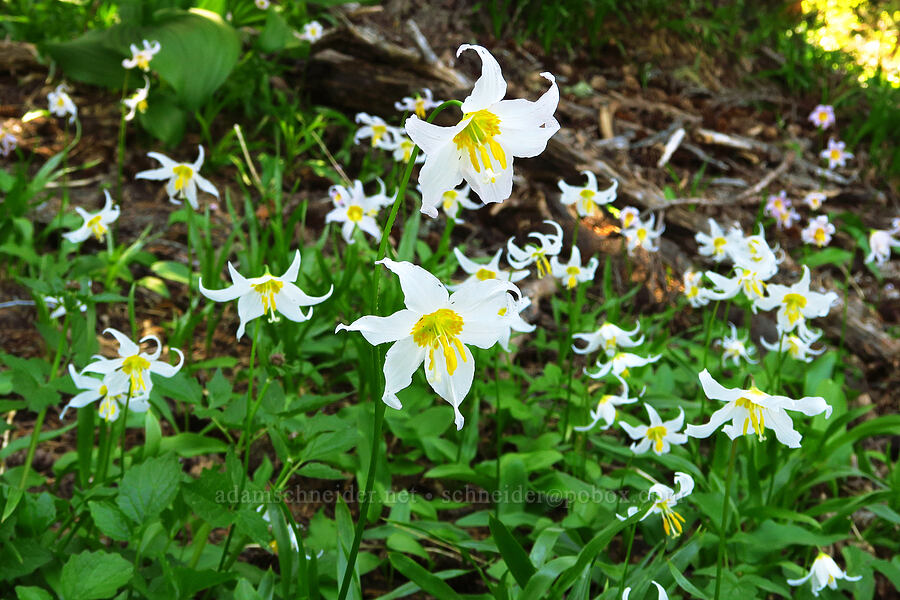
(440,322)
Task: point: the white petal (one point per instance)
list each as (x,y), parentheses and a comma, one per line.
(156,174)
(126,346)
(165,369)
(250,307)
(204,184)
(713,389)
(490,87)
(715,421)
(422,291)
(429,137)
(440,173)
(290,276)
(452,388)
(400,362)
(488,191)
(378,330)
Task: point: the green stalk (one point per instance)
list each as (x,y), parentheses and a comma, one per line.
(498,423)
(377,358)
(720,555)
(124,431)
(627,559)
(120,155)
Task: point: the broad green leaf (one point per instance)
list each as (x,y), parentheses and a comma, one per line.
(512,552)
(166,121)
(191,444)
(171,270)
(148,488)
(32,593)
(94,575)
(275,34)
(111,521)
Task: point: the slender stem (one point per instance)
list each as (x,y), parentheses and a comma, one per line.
(377,360)
(627,559)
(120,155)
(244,441)
(723,525)
(498,422)
(124,431)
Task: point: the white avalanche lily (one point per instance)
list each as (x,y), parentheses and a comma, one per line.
(58,304)
(666,499)
(735,348)
(353,209)
(572,273)
(610,337)
(136,365)
(484,272)
(796,303)
(184,178)
(627,216)
(137,101)
(61,104)
(482,146)
(693,289)
(750,281)
(606,408)
(799,347)
(717,244)
(588,198)
(823,573)
(619,365)
(514,321)
(757,409)
(266,294)
(418,104)
(659,435)
(818,232)
(550,245)
(880,244)
(404,149)
(141,57)
(383,136)
(644,234)
(94,223)
(436,328)
(112,391)
(454,199)
(661,590)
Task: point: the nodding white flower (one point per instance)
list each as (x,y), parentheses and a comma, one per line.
(754,409)
(735,348)
(94,223)
(572,273)
(777,204)
(536,254)
(666,500)
(659,435)
(436,328)
(184,178)
(111,391)
(588,198)
(453,200)
(381,134)
(717,244)
(8,142)
(628,216)
(514,321)
(823,573)
(643,234)
(404,149)
(136,365)
(484,272)
(418,104)
(266,294)
(353,209)
(752,284)
(753,253)
(619,365)
(662,595)
(818,232)
(786,218)
(610,337)
(835,153)
(814,200)
(137,101)
(312,32)
(880,244)
(141,57)
(61,104)
(796,303)
(822,116)
(482,146)
(58,304)
(693,289)
(262,5)
(606,408)
(798,346)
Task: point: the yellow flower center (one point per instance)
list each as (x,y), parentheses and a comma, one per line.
(483,274)
(587,200)
(407,147)
(540,259)
(793,303)
(719,245)
(656,435)
(478,137)
(627,218)
(835,154)
(355,213)
(134,367)
(757,416)
(823,116)
(672,521)
(109,409)
(143,61)
(572,280)
(420,107)
(378,132)
(183,174)
(97,227)
(267,290)
(440,330)
(142,106)
(641,234)
(449,200)
(60,101)
(692,292)
(819,237)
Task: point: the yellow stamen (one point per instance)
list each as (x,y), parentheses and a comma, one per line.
(183,174)
(719,245)
(757,416)
(819,237)
(134,367)
(587,200)
(420,107)
(641,234)
(142,106)
(97,227)
(540,259)
(440,330)
(378,132)
(478,137)
(355,213)
(573,280)
(109,409)
(267,290)
(835,155)
(483,274)
(672,521)
(793,303)
(656,435)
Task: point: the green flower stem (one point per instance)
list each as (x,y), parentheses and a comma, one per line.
(627,559)
(498,422)
(720,555)
(124,431)
(120,155)
(378,362)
